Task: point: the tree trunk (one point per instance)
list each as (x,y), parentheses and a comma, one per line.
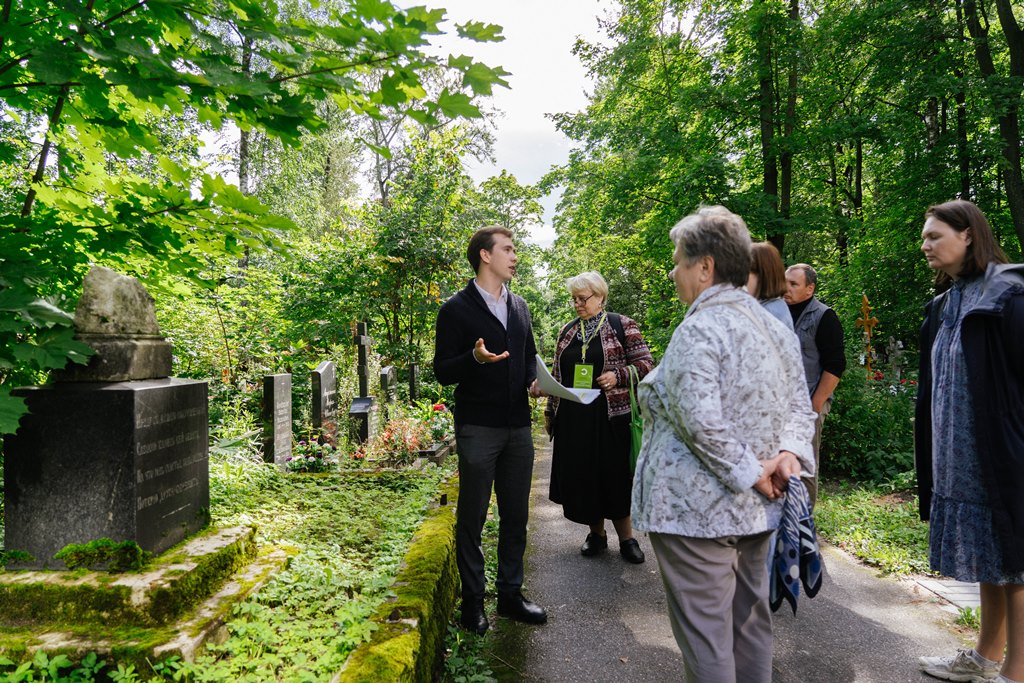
(769,155)
(1006,102)
(789,121)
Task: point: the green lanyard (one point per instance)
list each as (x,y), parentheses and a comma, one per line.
(583,335)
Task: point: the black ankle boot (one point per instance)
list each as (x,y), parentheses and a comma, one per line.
(473,617)
(515,606)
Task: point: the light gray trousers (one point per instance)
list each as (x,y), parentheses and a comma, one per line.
(717,590)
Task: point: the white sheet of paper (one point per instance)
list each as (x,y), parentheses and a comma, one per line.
(551,387)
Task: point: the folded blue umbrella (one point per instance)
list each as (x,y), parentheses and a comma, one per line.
(797,558)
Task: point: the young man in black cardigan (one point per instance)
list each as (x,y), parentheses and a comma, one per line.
(484,344)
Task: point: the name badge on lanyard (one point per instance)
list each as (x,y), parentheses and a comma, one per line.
(583,376)
(583,373)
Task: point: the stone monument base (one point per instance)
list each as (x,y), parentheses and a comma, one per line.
(128,461)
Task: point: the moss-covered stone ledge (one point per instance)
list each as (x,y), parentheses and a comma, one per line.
(411,628)
(176,582)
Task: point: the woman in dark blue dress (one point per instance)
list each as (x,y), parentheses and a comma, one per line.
(970,435)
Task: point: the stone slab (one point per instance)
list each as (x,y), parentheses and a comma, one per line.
(957,593)
(185,637)
(277,418)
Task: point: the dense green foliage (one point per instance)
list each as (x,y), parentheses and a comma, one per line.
(829,127)
(869,435)
(101,105)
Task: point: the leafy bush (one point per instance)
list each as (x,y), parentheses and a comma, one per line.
(869,435)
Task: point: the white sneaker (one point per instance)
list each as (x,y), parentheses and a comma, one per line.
(961,667)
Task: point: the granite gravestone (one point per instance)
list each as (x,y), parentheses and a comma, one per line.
(414,377)
(277,418)
(97,458)
(363,412)
(388,388)
(325,402)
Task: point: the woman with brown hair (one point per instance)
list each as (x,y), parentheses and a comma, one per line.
(970,434)
(767,281)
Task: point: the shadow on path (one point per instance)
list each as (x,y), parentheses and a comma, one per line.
(607,619)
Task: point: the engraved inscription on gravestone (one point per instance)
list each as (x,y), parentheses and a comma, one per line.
(325,401)
(172,478)
(277,418)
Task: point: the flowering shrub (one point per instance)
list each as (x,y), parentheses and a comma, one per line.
(398,443)
(438,419)
(310,456)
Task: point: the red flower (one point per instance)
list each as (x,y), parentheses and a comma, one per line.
(438,406)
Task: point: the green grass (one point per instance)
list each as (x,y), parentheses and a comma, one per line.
(881,528)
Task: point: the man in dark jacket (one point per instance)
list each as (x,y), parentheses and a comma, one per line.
(821,345)
(484,344)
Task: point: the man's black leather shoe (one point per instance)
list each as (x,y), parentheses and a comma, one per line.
(473,617)
(630,551)
(594,544)
(515,606)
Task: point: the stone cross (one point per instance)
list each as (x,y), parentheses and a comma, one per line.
(364,342)
(867,322)
(277,418)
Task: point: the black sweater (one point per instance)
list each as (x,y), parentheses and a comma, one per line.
(488,394)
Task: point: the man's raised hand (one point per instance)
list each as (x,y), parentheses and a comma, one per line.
(482,355)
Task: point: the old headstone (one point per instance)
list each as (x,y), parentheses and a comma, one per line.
(277,418)
(116,450)
(388,385)
(325,401)
(414,378)
(894,350)
(363,412)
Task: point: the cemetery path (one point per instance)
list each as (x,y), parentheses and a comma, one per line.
(608,620)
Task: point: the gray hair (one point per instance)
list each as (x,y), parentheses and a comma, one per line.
(591,280)
(810,274)
(719,233)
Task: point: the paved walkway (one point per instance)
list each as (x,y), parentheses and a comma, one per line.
(608,620)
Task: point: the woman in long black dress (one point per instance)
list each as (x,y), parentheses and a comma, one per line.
(590,471)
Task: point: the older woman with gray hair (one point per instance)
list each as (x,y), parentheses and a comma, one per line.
(727,421)
(590,464)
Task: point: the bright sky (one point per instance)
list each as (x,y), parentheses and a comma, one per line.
(546,78)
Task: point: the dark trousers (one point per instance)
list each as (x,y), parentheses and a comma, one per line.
(501,457)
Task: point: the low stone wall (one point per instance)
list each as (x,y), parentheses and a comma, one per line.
(408,642)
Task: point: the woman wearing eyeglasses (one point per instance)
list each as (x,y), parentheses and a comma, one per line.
(590,470)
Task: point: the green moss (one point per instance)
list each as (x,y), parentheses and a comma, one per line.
(104,553)
(425,591)
(34,603)
(168,602)
(83,597)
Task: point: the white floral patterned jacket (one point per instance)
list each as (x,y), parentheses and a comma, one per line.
(729,393)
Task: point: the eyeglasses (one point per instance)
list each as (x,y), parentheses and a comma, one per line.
(581,300)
